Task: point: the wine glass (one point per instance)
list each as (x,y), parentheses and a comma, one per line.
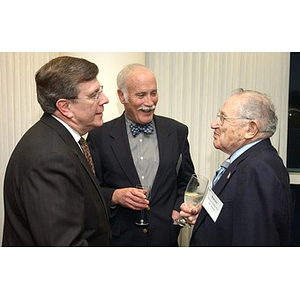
(194,194)
(143,221)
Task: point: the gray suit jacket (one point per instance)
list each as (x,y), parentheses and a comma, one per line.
(51,196)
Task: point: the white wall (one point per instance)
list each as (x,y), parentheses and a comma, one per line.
(20,109)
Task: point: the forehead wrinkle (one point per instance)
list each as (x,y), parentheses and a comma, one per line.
(231,107)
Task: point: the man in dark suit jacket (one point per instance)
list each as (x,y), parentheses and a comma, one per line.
(51,195)
(160,157)
(254,189)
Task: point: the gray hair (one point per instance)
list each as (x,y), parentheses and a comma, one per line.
(125,73)
(258,106)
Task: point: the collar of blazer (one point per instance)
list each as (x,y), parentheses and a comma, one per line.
(220,185)
(121,148)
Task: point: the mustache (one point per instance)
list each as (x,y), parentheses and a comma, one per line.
(147,108)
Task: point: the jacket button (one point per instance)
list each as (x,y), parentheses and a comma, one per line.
(145,230)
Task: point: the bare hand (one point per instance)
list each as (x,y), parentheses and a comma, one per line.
(131,198)
(191,214)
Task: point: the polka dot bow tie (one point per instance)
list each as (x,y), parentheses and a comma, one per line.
(137,128)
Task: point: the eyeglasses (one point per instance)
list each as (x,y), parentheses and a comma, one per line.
(95,98)
(222,118)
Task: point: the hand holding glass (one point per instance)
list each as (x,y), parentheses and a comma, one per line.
(143,221)
(194,194)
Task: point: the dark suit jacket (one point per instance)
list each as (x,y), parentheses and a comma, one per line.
(51,196)
(115,169)
(257,203)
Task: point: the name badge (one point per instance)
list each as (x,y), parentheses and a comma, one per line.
(212,204)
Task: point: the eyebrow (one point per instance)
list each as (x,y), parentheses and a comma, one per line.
(95,92)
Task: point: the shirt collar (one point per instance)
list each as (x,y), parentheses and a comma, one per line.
(128,122)
(72,131)
(243,149)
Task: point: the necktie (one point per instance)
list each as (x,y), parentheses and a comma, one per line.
(86,151)
(137,128)
(225,164)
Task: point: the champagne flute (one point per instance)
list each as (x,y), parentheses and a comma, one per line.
(143,220)
(194,194)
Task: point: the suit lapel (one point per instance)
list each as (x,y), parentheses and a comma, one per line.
(165,142)
(69,140)
(121,148)
(220,185)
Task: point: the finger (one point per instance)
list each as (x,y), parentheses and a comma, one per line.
(139,199)
(138,193)
(135,205)
(184,214)
(184,208)
(195,211)
(192,222)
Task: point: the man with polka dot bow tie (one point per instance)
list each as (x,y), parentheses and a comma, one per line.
(140,147)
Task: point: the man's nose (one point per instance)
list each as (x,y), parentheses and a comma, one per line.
(215,123)
(103,99)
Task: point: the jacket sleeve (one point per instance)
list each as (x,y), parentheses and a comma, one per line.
(54,202)
(94,146)
(184,167)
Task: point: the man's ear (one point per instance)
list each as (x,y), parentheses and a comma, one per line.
(121,96)
(252,130)
(63,106)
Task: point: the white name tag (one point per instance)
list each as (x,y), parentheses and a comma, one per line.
(212,204)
